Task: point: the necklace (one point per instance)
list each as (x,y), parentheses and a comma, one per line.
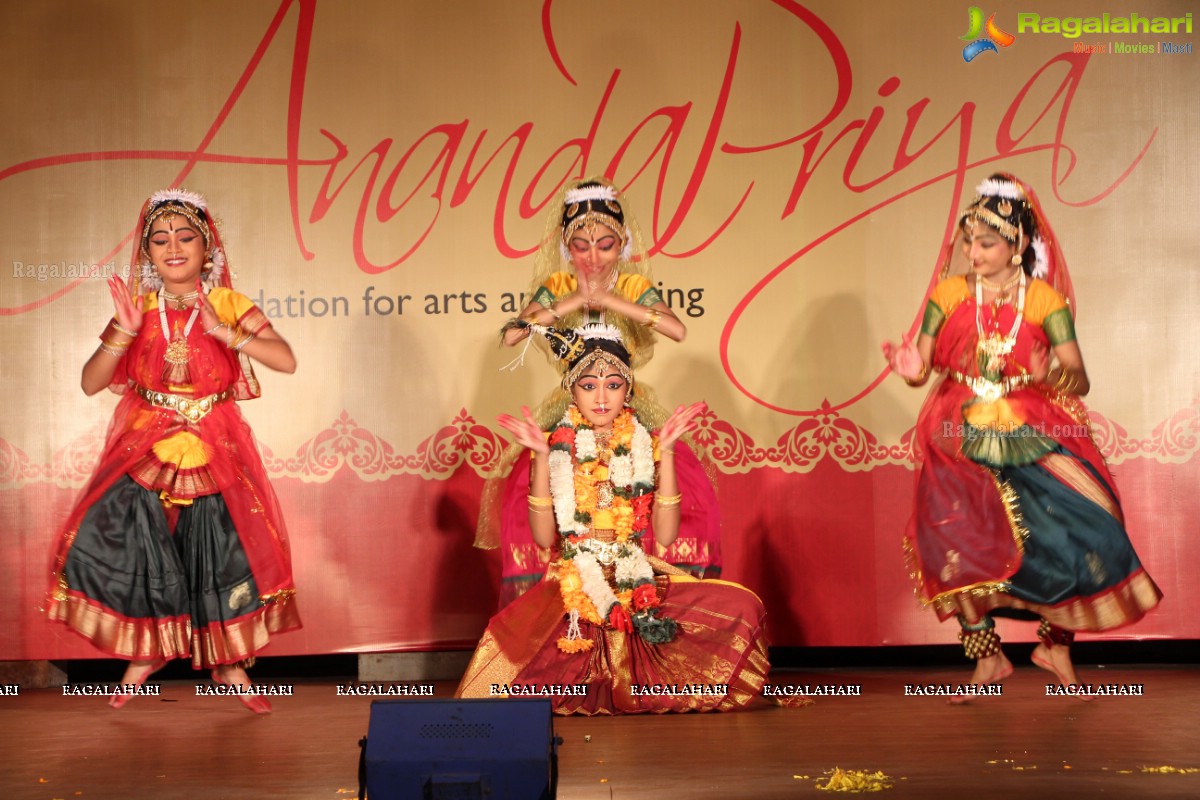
(992,350)
(1001,290)
(175,370)
(180,300)
(1004,287)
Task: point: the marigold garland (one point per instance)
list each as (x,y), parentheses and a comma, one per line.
(578,467)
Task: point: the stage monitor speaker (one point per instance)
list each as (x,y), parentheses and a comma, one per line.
(460,750)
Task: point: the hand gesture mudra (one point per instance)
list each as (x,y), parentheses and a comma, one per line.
(128,309)
(208,315)
(682,420)
(525,431)
(904,359)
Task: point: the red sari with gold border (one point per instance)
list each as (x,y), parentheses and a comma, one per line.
(1016,509)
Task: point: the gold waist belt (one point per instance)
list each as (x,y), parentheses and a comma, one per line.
(991,391)
(193,409)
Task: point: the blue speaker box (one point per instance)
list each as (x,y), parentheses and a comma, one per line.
(460,750)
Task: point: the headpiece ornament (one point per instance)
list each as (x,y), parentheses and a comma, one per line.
(593,203)
(1011,207)
(192,207)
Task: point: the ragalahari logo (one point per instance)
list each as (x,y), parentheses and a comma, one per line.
(982,44)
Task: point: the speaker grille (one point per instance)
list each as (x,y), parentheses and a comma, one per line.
(457,730)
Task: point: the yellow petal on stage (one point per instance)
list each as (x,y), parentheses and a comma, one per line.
(855,781)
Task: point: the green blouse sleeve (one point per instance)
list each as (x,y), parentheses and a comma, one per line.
(544,297)
(932,323)
(650,298)
(1059,326)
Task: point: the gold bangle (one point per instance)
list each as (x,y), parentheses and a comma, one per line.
(240,339)
(111,351)
(537,510)
(1068,381)
(124,330)
(534,500)
(652,318)
(920,379)
(668,501)
(117,345)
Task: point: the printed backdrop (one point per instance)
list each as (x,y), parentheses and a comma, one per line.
(381,170)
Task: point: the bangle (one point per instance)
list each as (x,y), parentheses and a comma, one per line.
(1066,381)
(542,502)
(118,326)
(652,318)
(116,345)
(215,327)
(111,351)
(240,339)
(917,381)
(668,501)
(537,510)
(553,312)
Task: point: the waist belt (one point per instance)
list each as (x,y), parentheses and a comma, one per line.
(991,391)
(193,409)
(605,552)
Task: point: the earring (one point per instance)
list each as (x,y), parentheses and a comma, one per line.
(1016,260)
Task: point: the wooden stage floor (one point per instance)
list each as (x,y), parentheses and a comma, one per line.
(1021,745)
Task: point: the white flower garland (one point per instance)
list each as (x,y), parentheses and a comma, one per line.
(585,445)
(594,584)
(562,492)
(633,569)
(643,457)
(629,472)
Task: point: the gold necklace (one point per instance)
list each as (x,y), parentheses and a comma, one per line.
(997,287)
(180,300)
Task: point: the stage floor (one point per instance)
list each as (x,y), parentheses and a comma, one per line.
(1023,744)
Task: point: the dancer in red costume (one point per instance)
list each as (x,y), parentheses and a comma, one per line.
(592,267)
(177,548)
(612,629)
(1016,512)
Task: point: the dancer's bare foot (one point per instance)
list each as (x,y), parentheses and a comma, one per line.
(135,675)
(1056,660)
(234,675)
(989,670)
